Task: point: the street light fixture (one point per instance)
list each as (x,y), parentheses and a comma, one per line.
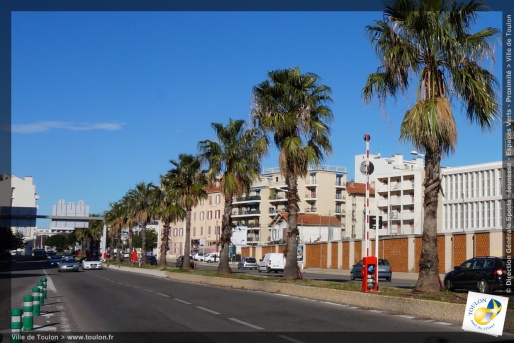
(415,153)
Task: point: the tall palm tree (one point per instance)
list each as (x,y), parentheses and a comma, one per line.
(115,218)
(431,40)
(293,107)
(82,236)
(234,160)
(141,206)
(129,220)
(168,210)
(189,180)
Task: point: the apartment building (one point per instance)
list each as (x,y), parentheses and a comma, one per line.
(472,197)
(19,198)
(399,192)
(322,192)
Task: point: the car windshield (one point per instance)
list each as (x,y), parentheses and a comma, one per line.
(383,262)
(92,259)
(250,260)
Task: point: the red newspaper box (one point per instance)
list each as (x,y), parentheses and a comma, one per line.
(369,274)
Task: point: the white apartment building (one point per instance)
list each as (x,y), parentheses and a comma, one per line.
(19,198)
(399,192)
(472,197)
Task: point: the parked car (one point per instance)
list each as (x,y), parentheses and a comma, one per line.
(180,262)
(68,264)
(272,262)
(55,259)
(212,257)
(384,270)
(485,274)
(91,263)
(151,260)
(247,262)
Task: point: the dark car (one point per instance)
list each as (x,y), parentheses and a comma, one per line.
(55,259)
(151,260)
(384,270)
(180,262)
(485,274)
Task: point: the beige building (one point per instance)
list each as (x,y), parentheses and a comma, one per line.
(355,207)
(322,192)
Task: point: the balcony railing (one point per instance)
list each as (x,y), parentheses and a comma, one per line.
(310,209)
(249,198)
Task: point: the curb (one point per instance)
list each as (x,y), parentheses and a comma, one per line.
(434,310)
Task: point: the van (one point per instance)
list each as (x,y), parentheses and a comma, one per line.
(272,262)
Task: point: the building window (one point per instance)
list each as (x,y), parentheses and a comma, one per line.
(201,230)
(202,202)
(218,214)
(201,215)
(181,232)
(210,200)
(175,232)
(218,199)
(339,180)
(461,210)
(209,215)
(338,208)
(194,231)
(209,231)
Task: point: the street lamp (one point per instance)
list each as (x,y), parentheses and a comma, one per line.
(415,153)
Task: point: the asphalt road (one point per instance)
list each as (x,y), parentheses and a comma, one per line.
(140,308)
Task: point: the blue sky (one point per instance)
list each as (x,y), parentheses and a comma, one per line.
(103,100)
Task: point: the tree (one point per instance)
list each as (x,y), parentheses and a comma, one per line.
(141,205)
(431,40)
(293,108)
(165,197)
(60,242)
(10,240)
(151,239)
(189,181)
(115,218)
(82,235)
(234,159)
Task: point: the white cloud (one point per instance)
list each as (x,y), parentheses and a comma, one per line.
(45,126)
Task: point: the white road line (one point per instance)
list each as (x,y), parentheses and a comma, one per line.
(149,290)
(207,310)
(443,323)
(164,295)
(290,339)
(182,301)
(376,311)
(247,324)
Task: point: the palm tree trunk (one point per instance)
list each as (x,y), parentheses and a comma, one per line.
(130,236)
(428,280)
(118,249)
(187,247)
(143,244)
(164,244)
(226,237)
(291,268)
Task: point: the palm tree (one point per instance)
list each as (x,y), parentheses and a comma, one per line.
(115,218)
(129,220)
(169,211)
(293,108)
(189,181)
(431,40)
(235,161)
(141,206)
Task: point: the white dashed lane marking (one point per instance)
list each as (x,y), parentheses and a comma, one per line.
(247,324)
(207,310)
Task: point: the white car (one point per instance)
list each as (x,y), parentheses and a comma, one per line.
(212,257)
(91,263)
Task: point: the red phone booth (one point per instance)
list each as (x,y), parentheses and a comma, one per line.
(369,274)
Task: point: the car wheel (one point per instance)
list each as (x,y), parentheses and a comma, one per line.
(259,270)
(482,286)
(352,277)
(448,284)
(268,270)
(388,279)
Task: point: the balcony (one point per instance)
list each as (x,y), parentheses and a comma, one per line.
(247,199)
(310,209)
(310,196)
(395,216)
(340,198)
(277,198)
(246,212)
(340,184)
(340,211)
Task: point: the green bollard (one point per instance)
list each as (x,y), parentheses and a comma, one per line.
(41,294)
(35,301)
(28,319)
(44,280)
(16,314)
